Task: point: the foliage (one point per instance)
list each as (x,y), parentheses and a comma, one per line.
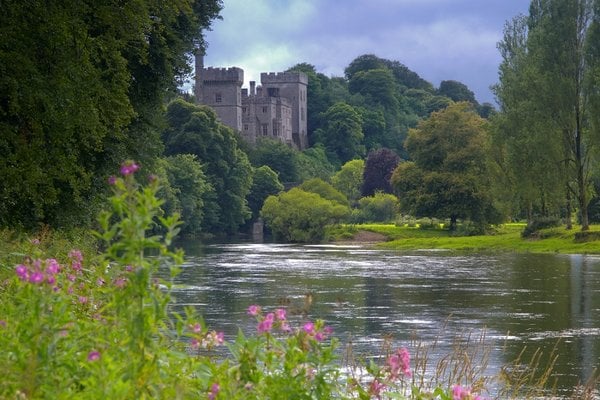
(325,190)
(378,170)
(457,91)
(547,91)
(342,133)
(381,207)
(299,216)
(348,179)
(448,175)
(195,130)
(533,227)
(278,156)
(313,163)
(265,183)
(190,191)
(81,88)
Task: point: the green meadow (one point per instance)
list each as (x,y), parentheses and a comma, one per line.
(505,237)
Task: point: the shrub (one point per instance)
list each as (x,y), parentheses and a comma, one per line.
(299,216)
(533,227)
(381,207)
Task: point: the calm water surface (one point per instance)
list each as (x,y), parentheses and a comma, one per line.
(516,300)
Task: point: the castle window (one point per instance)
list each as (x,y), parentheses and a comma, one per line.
(265,129)
(245,127)
(302,114)
(275,131)
(264,110)
(273,92)
(243,110)
(218,98)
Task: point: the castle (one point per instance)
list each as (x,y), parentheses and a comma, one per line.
(276,108)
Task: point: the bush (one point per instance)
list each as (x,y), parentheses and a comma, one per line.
(381,207)
(299,216)
(532,228)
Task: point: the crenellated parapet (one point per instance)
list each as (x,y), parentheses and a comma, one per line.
(222,75)
(283,77)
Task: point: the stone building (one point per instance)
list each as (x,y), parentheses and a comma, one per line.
(276,108)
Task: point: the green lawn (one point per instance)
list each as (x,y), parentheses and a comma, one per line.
(506,238)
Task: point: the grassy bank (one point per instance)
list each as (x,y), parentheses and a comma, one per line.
(505,238)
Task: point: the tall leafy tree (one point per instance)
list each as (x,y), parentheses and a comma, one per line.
(342,134)
(194,129)
(448,175)
(348,179)
(560,55)
(265,183)
(81,84)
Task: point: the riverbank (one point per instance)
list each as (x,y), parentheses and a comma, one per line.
(504,238)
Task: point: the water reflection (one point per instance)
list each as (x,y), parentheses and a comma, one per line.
(518,299)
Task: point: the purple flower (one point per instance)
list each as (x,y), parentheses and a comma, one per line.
(100,282)
(265,326)
(76,255)
(280,314)
(112,180)
(253,310)
(93,355)
(128,168)
(214,391)
(196,328)
(22,272)
(309,328)
(52,266)
(36,277)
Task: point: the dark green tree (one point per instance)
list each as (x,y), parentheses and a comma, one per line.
(81,89)
(265,183)
(349,178)
(342,134)
(196,130)
(189,189)
(280,157)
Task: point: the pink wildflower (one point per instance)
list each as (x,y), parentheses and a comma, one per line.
(375,388)
(253,310)
(214,391)
(195,343)
(22,272)
(399,363)
(100,282)
(128,168)
(120,282)
(460,393)
(51,280)
(309,328)
(280,314)
(93,355)
(75,255)
(285,327)
(71,277)
(35,241)
(2,323)
(270,316)
(265,325)
(319,336)
(196,328)
(52,266)
(83,299)
(220,337)
(112,180)
(36,277)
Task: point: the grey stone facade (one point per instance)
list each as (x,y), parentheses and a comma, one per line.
(275,109)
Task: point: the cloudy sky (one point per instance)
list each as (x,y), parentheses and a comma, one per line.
(438,39)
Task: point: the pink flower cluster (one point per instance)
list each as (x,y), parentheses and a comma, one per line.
(128,168)
(464,393)
(39,272)
(318,334)
(214,391)
(205,340)
(375,388)
(266,323)
(399,364)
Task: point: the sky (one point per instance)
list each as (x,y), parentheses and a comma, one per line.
(438,39)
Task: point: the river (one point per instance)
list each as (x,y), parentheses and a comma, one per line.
(424,299)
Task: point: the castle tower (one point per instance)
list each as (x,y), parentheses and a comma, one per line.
(221,89)
(293,86)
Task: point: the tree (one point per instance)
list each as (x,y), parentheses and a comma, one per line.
(195,129)
(342,134)
(313,163)
(548,75)
(378,170)
(325,190)
(265,183)
(81,90)
(348,179)
(456,91)
(447,177)
(190,191)
(299,216)
(280,157)
(381,207)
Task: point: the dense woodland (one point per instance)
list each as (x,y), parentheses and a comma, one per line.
(86,85)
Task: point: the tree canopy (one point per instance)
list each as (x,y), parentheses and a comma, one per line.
(81,86)
(447,177)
